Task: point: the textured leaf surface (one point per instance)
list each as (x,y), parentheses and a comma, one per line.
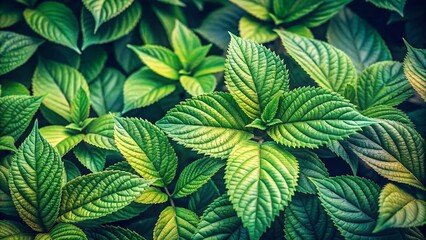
(328,66)
(91,157)
(7,143)
(63,231)
(261,180)
(382,83)
(198,85)
(393,150)
(196,175)
(15,50)
(220,222)
(71,170)
(253,74)
(393,5)
(152,195)
(176,223)
(257,8)
(184,42)
(100,132)
(9,88)
(255,30)
(200,200)
(415,69)
(354,36)
(147,149)
(389,113)
(35,182)
(104,10)
(105,193)
(211,124)
(399,209)
(312,117)
(55,22)
(61,138)
(305,218)
(80,107)
(112,232)
(209,65)
(15,230)
(16,114)
(6,202)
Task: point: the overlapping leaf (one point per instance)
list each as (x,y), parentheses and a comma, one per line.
(152,195)
(100,132)
(415,69)
(62,231)
(111,232)
(92,62)
(393,5)
(198,85)
(389,113)
(104,10)
(15,230)
(61,138)
(176,224)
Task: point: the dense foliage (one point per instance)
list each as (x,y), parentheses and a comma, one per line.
(193,119)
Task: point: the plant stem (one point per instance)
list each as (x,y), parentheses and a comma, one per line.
(170,197)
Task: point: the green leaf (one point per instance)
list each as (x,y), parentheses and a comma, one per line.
(176,223)
(152,195)
(184,42)
(220,222)
(290,11)
(35,181)
(80,107)
(10,13)
(257,8)
(111,30)
(271,108)
(393,150)
(261,179)
(100,133)
(312,117)
(211,124)
(6,202)
(15,230)
(7,143)
(326,10)
(209,65)
(197,56)
(159,59)
(106,91)
(328,66)
(399,209)
(393,5)
(105,10)
(305,218)
(16,114)
(71,170)
(199,201)
(253,74)
(147,149)
(55,22)
(104,193)
(255,30)
(354,36)
(93,60)
(111,232)
(382,83)
(15,50)
(389,113)
(414,68)
(301,30)
(61,138)
(9,88)
(60,83)
(198,85)
(195,175)
(144,88)
(91,157)
(340,149)
(63,231)
(124,56)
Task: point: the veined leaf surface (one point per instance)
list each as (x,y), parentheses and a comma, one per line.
(415,69)
(104,10)
(176,224)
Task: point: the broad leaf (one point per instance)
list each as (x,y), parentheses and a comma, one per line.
(10,12)
(55,22)
(198,85)
(389,113)
(255,30)
(220,222)
(35,182)
(16,114)
(111,232)
(7,143)
(92,62)
(305,218)
(261,179)
(328,66)
(60,83)
(80,107)
(257,8)
(104,193)
(289,11)
(15,50)
(8,88)
(209,65)
(203,197)
(124,56)
(382,83)
(62,231)
(393,5)
(196,175)
(253,74)
(6,202)
(147,149)
(104,10)
(152,195)
(15,230)
(176,223)
(354,36)
(184,42)
(312,117)
(211,124)
(414,68)
(71,170)
(326,10)
(100,132)
(91,157)
(61,138)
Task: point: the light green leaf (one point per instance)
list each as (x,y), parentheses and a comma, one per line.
(104,193)
(152,195)
(61,138)
(15,50)
(354,36)
(393,150)
(147,149)
(209,65)
(389,113)
(55,22)
(195,175)
(253,74)
(105,10)
(111,30)
(144,88)
(415,68)
(220,222)
(211,124)
(271,108)
(63,231)
(100,133)
(184,42)
(71,170)
(198,85)
(91,157)
(60,83)
(176,223)
(7,143)
(301,30)
(80,107)
(328,66)
(399,209)
(393,5)
(305,218)
(8,88)
(10,13)
(35,182)
(93,60)
(159,59)
(15,230)
(261,179)
(106,91)
(197,56)
(112,232)
(382,83)
(326,10)
(16,114)
(312,117)
(255,30)
(257,8)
